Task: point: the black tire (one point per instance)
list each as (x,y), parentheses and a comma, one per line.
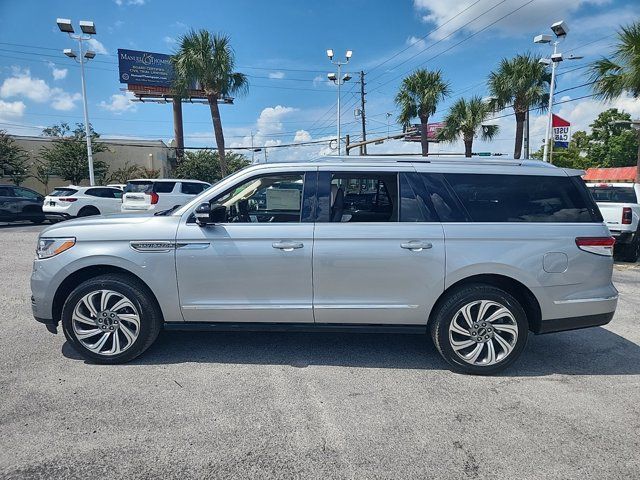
(631,251)
(447,312)
(88,211)
(37,220)
(150,316)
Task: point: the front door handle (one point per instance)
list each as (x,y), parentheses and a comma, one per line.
(416,245)
(287,246)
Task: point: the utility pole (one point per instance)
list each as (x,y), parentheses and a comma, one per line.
(363,148)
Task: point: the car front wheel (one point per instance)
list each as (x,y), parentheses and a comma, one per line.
(480,329)
(111,318)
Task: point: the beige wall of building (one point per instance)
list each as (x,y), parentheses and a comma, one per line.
(145,153)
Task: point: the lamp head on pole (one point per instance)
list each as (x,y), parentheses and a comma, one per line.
(330,54)
(560,29)
(69,53)
(88,27)
(64,24)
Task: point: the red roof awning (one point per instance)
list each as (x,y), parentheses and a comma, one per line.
(618,174)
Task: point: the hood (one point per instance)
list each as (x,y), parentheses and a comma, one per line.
(116,227)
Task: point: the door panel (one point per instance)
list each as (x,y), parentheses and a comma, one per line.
(234,273)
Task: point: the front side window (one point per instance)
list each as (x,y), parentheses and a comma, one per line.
(266,199)
(26,193)
(192,188)
(363,197)
(522,198)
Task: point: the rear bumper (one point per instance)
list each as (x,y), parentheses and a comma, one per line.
(574,323)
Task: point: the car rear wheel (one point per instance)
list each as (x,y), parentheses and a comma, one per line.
(111,318)
(631,251)
(88,211)
(480,329)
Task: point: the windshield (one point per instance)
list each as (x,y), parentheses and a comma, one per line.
(607,194)
(63,192)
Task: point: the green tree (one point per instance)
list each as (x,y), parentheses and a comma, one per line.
(124,173)
(613,142)
(67,155)
(42,172)
(208,60)
(465,120)
(13,159)
(418,96)
(620,71)
(521,83)
(205,165)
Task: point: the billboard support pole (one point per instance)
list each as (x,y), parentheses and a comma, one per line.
(178,130)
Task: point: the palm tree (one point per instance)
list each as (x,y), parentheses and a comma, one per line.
(464,119)
(522,83)
(208,60)
(621,72)
(419,96)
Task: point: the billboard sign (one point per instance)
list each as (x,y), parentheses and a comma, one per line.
(432,132)
(561,131)
(145,68)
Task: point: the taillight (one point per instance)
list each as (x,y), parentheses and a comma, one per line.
(67,199)
(597,245)
(627,216)
(154,197)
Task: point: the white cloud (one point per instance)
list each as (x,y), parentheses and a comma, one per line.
(415,42)
(170,40)
(12,109)
(317,80)
(302,136)
(119,103)
(277,75)
(22,84)
(130,2)
(58,73)
(64,101)
(528,19)
(97,47)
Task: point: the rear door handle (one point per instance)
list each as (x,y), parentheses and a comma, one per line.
(416,245)
(287,246)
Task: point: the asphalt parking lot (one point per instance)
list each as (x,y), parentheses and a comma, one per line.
(248,405)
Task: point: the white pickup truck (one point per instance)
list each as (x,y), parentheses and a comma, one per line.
(619,205)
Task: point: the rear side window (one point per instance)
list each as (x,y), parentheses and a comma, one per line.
(364,197)
(607,194)
(163,187)
(523,198)
(6,192)
(192,188)
(63,192)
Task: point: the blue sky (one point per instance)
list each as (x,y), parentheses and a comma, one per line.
(280,45)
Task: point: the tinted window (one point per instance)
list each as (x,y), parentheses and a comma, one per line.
(191,188)
(521,198)
(435,192)
(364,197)
(6,192)
(607,194)
(94,192)
(63,192)
(139,187)
(266,199)
(163,187)
(26,193)
(413,205)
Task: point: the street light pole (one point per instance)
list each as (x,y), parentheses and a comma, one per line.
(545,154)
(339,80)
(88,29)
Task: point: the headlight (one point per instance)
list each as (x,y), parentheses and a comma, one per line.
(50,247)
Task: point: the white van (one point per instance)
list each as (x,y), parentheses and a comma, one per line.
(156,195)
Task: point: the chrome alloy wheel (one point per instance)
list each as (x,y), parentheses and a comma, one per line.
(106,322)
(483,333)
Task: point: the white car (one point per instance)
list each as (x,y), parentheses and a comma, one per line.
(74,201)
(155,195)
(119,186)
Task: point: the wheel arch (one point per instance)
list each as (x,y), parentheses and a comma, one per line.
(517,289)
(77,277)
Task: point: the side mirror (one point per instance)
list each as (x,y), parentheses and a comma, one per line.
(207,214)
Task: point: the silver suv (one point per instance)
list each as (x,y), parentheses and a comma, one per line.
(476,253)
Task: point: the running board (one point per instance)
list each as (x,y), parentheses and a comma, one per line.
(293,327)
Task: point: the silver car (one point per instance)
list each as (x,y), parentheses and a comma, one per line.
(475,253)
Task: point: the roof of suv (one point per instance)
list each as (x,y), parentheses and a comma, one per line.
(166,180)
